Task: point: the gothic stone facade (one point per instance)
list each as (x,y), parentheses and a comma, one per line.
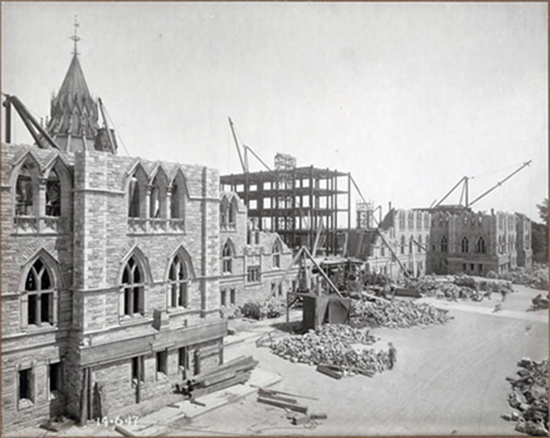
(110,280)
(475,243)
(252,261)
(406,232)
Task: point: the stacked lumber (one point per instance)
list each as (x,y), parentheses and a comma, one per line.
(226,375)
(332,345)
(396,314)
(530,398)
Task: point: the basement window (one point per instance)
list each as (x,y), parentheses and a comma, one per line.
(54,377)
(162,362)
(25,393)
(138,369)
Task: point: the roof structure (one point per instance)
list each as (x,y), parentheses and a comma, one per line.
(73,113)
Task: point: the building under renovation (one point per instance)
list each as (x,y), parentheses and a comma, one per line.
(296,202)
(475,243)
(116,269)
(397,245)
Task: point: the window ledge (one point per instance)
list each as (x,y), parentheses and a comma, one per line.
(132,319)
(42,328)
(25,403)
(54,395)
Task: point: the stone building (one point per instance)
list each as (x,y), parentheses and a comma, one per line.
(523,235)
(113,269)
(462,240)
(405,232)
(253,261)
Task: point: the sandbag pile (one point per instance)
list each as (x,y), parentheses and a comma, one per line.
(334,344)
(396,314)
(530,398)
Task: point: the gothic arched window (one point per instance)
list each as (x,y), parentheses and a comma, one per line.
(277,254)
(24,193)
(444,244)
(480,246)
(177,280)
(134,288)
(39,287)
(227,258)
(465,245)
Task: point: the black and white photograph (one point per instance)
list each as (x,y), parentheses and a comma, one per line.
(274,218)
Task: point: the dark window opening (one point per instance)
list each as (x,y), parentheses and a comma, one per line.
(134,198)
(25,385)
(39,286)
(227,258)
(223,297)
(232,296)
(138,368)
(24,195)
(55,377)
(53,195)
(162,362)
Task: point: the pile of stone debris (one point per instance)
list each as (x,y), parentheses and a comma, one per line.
(459,287)
(529,398)
(396,314)
(334,345)
(535,277)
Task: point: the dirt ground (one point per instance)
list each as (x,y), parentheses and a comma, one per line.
(448,379)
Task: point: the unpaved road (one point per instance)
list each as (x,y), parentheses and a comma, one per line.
(448,380)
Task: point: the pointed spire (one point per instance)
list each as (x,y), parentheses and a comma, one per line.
(74,112)
(75,37)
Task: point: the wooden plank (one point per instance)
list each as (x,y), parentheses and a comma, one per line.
(277,397)
(280,404)
(327,371)
(284,393)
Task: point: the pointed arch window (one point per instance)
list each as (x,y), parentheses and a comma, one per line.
(24,193)
(465,245)
(178,279)
(134,288)
(277,254)
(480,246)
(178,197)
(39,288)
(224,213)
(134,197)
(232,215)
(444,244)
(53,194)
(227,258)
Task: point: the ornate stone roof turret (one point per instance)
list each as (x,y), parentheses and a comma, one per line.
(73,120)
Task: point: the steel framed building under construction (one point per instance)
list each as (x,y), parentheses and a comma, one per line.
(296,202)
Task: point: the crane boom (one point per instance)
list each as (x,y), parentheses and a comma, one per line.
(498,184)
(245,169)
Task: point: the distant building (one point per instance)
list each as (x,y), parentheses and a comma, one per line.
(476,243)
(402,235)
(252,261)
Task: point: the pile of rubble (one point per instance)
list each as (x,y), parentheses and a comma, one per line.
(396,314)
(335,345)
(530,398)
(535,277)
(460,287)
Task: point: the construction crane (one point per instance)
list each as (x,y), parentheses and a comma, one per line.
(40,136)
(243,158)
(465,189)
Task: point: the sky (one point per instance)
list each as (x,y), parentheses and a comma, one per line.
(407,97)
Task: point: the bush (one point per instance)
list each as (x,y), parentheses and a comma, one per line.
(252,310)
(271,308)
(492,274)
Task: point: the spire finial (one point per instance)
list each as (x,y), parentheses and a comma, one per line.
(75,37)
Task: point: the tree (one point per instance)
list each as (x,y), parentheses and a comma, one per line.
(543,211)
(539,240)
